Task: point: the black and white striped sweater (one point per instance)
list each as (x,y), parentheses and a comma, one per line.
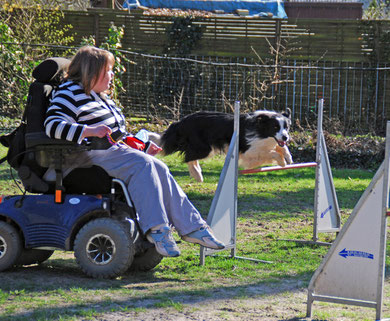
(71,109)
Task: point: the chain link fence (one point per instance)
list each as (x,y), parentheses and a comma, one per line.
(356,94)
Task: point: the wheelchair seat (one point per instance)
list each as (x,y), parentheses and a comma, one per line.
(94,180)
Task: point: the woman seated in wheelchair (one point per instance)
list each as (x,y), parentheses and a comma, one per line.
(80,108)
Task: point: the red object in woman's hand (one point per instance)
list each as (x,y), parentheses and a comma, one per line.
(134,143)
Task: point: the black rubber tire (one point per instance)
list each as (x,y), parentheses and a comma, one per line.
(146,261)
(33,256)
(103,248)
(10,245)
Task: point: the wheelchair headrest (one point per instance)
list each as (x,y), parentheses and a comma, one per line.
(51,70)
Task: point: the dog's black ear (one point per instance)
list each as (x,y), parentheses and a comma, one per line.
(262,117)
(287,113)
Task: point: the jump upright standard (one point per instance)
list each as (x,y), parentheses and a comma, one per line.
(222,216)
(326,208)
(353,271)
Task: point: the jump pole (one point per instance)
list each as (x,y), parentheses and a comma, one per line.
(353,270)
(277,168)
(326,208)
(222,217)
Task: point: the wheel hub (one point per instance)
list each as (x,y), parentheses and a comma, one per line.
(3,247)
(100,249)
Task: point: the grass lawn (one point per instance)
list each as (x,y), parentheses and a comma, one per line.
(271,206)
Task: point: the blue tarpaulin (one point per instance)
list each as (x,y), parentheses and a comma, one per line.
(255,7)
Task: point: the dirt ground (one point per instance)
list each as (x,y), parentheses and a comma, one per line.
(282,300)
(286,301)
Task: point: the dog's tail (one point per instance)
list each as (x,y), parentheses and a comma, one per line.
(170,140)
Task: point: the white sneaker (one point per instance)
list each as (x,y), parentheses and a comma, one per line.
(164,242)
(204,236)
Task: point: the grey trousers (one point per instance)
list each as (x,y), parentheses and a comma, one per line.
(157,197)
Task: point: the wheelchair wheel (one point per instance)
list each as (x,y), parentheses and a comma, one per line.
(33,256)
(103,248)
(147,260)
(10,245)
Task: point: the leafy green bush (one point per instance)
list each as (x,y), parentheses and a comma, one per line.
(183,36)
(361,151)
(19,58)
(21,30)
(15,73)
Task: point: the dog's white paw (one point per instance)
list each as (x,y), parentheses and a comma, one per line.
(289,159)
(195,171)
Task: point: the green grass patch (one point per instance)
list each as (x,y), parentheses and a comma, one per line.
(271,207)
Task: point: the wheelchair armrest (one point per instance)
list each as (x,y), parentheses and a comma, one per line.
(51,152)
(40,138)
(46,152)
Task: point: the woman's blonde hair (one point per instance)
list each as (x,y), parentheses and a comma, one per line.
(87,64)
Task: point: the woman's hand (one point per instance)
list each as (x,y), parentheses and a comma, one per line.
(96,131)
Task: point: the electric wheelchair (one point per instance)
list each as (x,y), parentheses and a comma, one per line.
(86,211)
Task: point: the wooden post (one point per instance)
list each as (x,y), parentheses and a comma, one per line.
(96,28)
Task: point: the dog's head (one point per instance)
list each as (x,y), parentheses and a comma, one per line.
(272,124)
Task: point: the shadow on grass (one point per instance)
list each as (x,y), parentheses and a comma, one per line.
(45,278)
(130,293)
(69,279)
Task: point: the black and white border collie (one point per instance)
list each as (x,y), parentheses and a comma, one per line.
(262,140)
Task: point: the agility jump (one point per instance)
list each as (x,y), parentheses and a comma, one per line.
(223,211)
(353,271)
(326,208)
(222,216)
